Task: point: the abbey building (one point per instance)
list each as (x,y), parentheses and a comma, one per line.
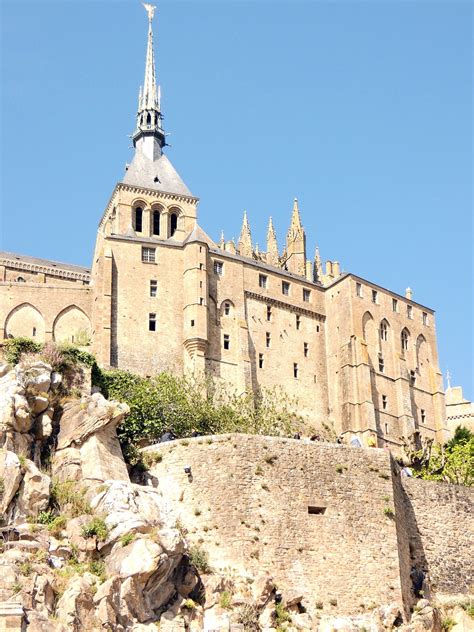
(162,295)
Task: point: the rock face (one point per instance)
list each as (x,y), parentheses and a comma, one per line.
(88,447)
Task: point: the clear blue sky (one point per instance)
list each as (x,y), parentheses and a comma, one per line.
(360,109)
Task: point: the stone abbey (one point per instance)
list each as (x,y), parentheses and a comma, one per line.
(162,295)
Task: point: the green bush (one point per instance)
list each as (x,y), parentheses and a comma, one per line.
(127,538)
(95,528)
(68,498)
(56,525)
(452,463)
(15,347)
(199,559)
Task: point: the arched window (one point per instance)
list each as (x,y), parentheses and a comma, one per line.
(404,340)
(227,309)
(384,330)
(156,222)
(138,219)
(21,279)
(173,223)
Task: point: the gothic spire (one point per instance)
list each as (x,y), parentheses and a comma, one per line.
(245,239)
(149,135)
(272,246)
(295,226)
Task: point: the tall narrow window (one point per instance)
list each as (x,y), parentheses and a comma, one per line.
(305,349)
(386,429)
(173,223)
(359,290)
(138,219)
(152,322)
(409,311)
(153,288)
(218,268)
(375,296)
(260,360)
(269,312)
(295,370)
(423,416)
(404,340)
(148,255)
(298,321)
(384,402)
(394,305)
(306,295)
(425,318)
(268,339)
(412,378)
(285,288)
(156,222)
(34,332)
(226,341)
(383,330)
(381,365)
(262,281)
(226,309)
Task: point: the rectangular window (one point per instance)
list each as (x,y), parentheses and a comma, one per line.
(192,323)
(409,311)
(412,378)
(381,365)
(306,295)
(285,288)
(317,328)
(151,322)
(384,402)
(423,416)
(268,339)
(226,341)
(148,255)
(262,281)
(359,289)
(312,510)
(201,301)
(201,266)
(375,295)
(138,220)
(394,305)
(305,349)
(295,370)
(298,321)
(386,429)
(218,268)
(425,318)
(260,360)
(269,312)
(153,288)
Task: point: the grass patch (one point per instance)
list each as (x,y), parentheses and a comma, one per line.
(225,599)
(127,538)
(199,559)
(95,528)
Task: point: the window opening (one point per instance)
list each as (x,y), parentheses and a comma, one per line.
(313,510)
(226,341)
(306,295)
(173,224)
(384,402)
(285,288)
(260,360)
(156,222)
(269,312)
(138,219)
(394,305)
(152,322)
(226,309)
(295,370)
(153,288)
(148,255)
(262,281)
(218,268)
(359,290)
(268,339)
(305,349)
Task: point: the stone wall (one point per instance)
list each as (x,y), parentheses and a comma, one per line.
(440,527)
(314,516)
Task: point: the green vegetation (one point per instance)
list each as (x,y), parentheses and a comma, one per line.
(388,511)
(15,347)
(2,486)
(225,599)
(447,623)
(189,604)
(452,463)
(281,616)
(16,588)
(199,559)
(69,499)
(95,528)
(25,568)
(57,525)
(127,538)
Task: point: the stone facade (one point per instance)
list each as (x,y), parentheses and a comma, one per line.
(162,295)
(334,522)
(459,411)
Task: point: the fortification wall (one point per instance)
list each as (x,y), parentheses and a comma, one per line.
(314,516)
(441,531)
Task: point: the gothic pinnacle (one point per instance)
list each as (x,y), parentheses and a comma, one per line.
(245,239)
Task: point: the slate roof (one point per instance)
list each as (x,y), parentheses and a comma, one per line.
(5,257)
(143,172)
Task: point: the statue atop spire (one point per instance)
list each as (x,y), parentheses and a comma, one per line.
(149,135)
(245,239)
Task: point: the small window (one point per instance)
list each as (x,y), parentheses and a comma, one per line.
(285,288)
(201,301)
(268,339)
(262,281)
(375,296)
(298,321)
(173,224)
(381,365)
(383,330)
(412,378)
(409,311)
(156,222)
(313,510)
(384,402)
(317,328)
(423,416)
(226,341)
(226,309)
(425,318)
(153,288)
(269,312)
(394,305)
(386,430)
(305,349)
(138,219)
(192,323)
(404,340)
(34,332)
(218,268)
(359,290)
(306,295)
(201,266)
(152,322)
(21,279)
(260,360)
(295,370)
(148,255)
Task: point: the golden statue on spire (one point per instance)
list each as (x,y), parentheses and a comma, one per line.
(150,9)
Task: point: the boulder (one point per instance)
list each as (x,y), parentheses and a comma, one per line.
(34,492)
(262,588)
(35,377)
(75,608)
(140,558)
(463,622)
(10,478)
